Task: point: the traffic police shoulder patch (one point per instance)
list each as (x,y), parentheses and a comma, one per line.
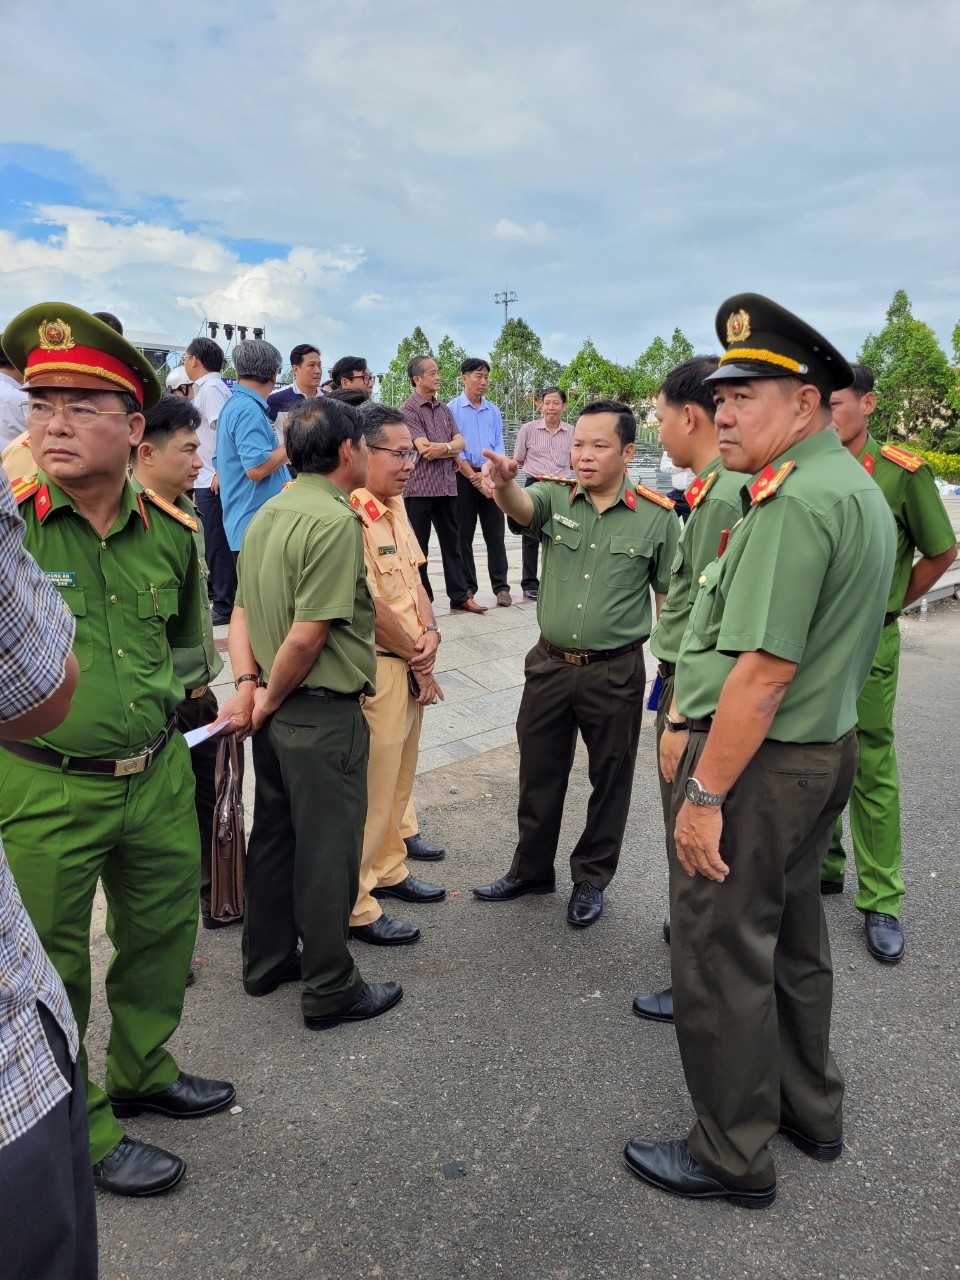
(769,481)
(168,508)
(652,496)
(697,491)
(902,457)
(24,488)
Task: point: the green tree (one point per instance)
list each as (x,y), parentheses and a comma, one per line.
(450,356)
(517,367)
(914,381)
(590,376)
(396,385)
(655,363)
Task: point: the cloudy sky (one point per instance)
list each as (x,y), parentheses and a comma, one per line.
(340,173)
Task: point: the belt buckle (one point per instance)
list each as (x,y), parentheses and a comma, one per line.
(132,764)
(199,691)
(575,659)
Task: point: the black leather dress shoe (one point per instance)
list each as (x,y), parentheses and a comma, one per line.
(188,1097)
(412,890)
(829,887)
(135,1168)
(385,931)
(658,1007)
(424,850)
(209,922)
(822,1151)
(669,1166)
(374,999)
(290,973)
(666,931)
(585,906)
(508,887)
(884,936)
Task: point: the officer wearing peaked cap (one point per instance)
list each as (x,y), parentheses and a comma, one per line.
(605,545)
(108,795)
(778,645)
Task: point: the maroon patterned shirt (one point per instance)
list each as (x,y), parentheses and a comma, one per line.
(433,420)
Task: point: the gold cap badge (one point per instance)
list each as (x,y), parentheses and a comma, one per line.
(56,335)
(738,326)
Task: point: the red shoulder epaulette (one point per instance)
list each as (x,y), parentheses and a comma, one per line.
(697,491)
(769,481)
(25,488)
(168,508)
(902,457)
(652,496)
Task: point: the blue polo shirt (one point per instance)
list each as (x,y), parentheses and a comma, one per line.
(245,439)
(481,428)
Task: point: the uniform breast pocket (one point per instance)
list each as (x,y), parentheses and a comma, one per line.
(628,563)
(155,607)
(707,612)
(560,554)
(389,577)
(75,598)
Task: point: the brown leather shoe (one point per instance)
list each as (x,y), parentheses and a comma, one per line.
(504,599)
(469,606)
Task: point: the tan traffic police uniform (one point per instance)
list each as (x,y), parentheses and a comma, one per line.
(393,557)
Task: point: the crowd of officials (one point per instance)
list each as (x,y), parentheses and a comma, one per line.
(138,521)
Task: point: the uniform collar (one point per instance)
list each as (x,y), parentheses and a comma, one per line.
(823,441)
(313,479)
(58,499)
(367,507)
(625,489)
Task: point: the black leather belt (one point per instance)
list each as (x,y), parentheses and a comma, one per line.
(125,768)
(666,669)
(330,695)
(384,653)
(890,617)
(700,726)
(584,657)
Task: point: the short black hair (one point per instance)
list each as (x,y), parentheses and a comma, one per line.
(345,367)
(315,429)
(208,352)
(685,384)
(168,416)
(415,367)
(863,380)
(349,395)
(472,364)
(109,318)
(626,422)
(5,361)
(304,349)
(555,391)
(375,419)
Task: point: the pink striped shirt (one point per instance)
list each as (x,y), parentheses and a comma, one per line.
(542,452)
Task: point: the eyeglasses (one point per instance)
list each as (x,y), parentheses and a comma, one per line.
(368,378)
(402,455)
(80,414)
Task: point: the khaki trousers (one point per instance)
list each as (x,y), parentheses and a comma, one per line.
(394,720)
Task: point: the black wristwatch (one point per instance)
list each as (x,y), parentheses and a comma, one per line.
(675,726)
(696,795)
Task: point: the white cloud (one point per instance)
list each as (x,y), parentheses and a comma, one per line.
(369,302)
(536,233)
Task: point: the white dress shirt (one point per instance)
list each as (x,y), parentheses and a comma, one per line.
(210,394)
(13,402)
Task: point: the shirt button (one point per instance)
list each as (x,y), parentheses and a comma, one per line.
(103,546)
(579,606)
(593,546)
(113,599)
(133,706)
(586,577)
(558,537)
(703,578)
(119,653)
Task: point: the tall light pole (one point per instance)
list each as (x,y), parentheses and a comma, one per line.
(503,300)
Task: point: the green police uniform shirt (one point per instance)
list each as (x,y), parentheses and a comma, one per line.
(135,595)
(918,512)
(717,509)
(598,567)
(302,561)
(804,577)
(200,664)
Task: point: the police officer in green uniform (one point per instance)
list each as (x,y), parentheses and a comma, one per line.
(687,432)
(605,544)
(167,462)
(922,525)
(302,649)
(109,794)
(775,653)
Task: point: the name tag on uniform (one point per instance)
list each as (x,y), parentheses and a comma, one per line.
(566,521)
(61,577)
(386,551)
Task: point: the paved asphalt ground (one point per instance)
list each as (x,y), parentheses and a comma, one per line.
(477,1129)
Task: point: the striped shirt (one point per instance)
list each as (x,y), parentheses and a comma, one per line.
(36,635)
(433,421)
(542,452)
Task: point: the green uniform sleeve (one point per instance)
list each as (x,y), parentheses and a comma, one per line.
(541,495)
(665,553)
(332,561)
(928,524)
(186,630)
(774,592)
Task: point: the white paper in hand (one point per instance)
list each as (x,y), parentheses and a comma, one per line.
(205,731)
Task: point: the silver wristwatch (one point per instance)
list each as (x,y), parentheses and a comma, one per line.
(696,795)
